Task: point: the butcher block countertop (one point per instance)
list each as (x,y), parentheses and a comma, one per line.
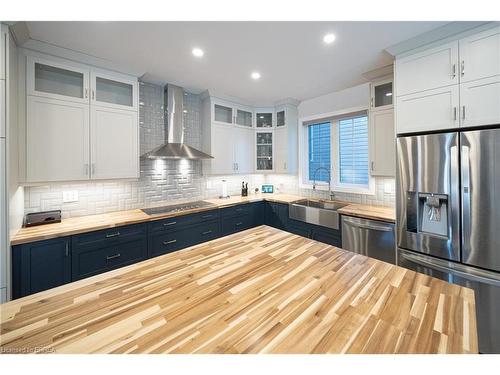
(381,213)
(82,224)
(258,291)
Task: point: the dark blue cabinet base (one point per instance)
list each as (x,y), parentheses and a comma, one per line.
(43,265)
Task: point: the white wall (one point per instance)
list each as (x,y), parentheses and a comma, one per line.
(357,96)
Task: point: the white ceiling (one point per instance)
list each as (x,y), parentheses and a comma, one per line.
(291,56)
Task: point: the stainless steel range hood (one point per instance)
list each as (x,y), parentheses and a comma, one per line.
(174,147)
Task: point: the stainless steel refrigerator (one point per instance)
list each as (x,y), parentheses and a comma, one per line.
(448,216)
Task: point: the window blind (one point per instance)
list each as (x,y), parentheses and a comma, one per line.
(353,150)
(319,151)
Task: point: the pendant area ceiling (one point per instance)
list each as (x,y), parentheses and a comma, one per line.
(291,57)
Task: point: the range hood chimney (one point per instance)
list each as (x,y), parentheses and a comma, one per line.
(174,147)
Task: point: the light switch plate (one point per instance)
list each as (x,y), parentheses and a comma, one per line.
(70,196)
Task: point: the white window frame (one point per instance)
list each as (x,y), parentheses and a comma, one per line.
(336,186)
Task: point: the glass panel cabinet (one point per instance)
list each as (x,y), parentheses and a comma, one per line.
(264,153)
(115,91)
(280,118)
(223,114)
(265,120)
(56,80)
(381,94)
(244,118)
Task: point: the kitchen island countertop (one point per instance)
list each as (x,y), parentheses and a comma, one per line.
(262,290)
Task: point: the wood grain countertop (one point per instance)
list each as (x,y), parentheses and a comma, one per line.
(382,213)
(82,224)
(258,291)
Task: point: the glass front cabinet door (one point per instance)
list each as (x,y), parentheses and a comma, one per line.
(114,90)
(381,94)
(264,144)
(264,119)
(57,80)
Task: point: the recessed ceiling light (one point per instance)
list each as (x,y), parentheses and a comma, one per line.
(198,52)
(329,38)
(255,75)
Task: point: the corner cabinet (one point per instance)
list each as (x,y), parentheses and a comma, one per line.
(245,139)
(456,84)
(81,122)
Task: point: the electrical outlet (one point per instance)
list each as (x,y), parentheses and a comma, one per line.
(70,196)
(388,188)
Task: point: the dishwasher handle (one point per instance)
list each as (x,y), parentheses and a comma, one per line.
(368,224)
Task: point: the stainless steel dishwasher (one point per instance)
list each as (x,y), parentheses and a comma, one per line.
(372,238)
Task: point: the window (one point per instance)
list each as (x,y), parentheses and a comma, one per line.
(339,144)
(353,150)
(319,142)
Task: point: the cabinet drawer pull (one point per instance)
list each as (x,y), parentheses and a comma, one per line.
(206,216)
(113,256)
(238,224)
(113,235)
(239,209)
(171,223)
(169,242)
(207,232)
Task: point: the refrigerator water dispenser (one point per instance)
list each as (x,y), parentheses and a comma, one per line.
(433,210)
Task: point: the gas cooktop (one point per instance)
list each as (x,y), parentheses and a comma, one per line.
(176,207)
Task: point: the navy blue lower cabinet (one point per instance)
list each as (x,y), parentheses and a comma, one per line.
(259,213)
(298,227)
(277,214)
(39,266)
(170,241)
(326,235)
(93,261)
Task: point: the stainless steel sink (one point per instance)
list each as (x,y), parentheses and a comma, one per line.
(316,212)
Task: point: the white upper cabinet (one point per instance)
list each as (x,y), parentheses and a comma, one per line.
(382,143)
(480,102)
(113,90)
(480,55)
(57,80)
(243,152)
(381,94)
(114,143)
(57,140)
(430,69)
(428,110)
(450,86)
(285,140)
(264,151)
(244,139)
(243,116)
(223,114)
(81,122)
(264,118)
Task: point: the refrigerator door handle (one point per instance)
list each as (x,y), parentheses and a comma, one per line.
(466,209)
(471,274)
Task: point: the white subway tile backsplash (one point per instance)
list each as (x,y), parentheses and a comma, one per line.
(162,180)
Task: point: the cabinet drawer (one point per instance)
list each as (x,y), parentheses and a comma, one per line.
(109,237)
(240,209)
(176,240)
(236,224)
(90,262)
(174,223)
